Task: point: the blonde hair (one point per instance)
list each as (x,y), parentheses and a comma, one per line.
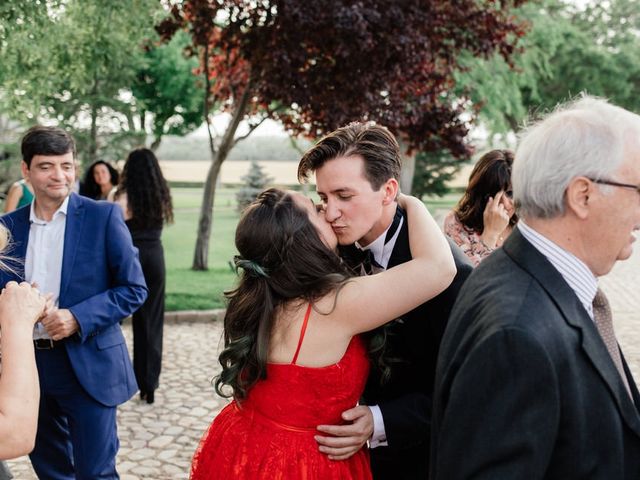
(5,240)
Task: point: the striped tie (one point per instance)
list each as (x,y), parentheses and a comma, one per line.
(604,323)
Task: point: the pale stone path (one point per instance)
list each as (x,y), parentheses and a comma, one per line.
(157,441)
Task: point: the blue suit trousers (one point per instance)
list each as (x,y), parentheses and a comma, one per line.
(77,436)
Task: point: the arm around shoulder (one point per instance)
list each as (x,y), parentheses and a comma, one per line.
(371,301)
(13,197)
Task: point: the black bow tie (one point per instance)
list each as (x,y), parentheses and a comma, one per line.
(356,259)
(369,262)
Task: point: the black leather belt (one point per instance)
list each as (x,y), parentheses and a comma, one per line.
(46,343)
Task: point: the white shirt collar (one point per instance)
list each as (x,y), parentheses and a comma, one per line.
(574,271)
(380,249)
(62,209)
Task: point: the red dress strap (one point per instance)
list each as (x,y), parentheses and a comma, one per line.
(302,330)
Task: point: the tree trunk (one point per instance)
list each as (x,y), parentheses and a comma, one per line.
(513,123)
(93,135)
(155,144)
(201,254)
(408,168)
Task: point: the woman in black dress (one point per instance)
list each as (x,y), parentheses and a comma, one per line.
(145,199)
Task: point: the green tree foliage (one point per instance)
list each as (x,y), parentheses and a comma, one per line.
(434,170)
(25,53)
(568,50)
(71,63)
(315,66)
(168,90)
(255,181)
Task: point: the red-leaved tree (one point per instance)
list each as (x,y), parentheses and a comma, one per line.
(317,65)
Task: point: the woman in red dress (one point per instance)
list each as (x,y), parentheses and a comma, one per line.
(293,358)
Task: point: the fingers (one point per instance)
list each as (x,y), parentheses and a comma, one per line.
(345,440)
(355,413)
(342,457)
(489,204)
(340,453)
(60,324)
(339,448)
(339,430)
(329,443)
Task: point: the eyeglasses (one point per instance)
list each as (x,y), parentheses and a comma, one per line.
(615,184)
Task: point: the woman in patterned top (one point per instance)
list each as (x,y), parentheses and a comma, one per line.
(485,215)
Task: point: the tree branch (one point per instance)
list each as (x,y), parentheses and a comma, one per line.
(252,127)
(207,96)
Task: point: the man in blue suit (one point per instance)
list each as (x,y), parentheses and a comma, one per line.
(80,251)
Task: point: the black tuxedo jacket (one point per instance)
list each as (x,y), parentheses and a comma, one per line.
(525,386)
(405,400)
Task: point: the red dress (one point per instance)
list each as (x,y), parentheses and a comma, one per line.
(270,434)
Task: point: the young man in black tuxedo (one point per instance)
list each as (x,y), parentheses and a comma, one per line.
(357,170)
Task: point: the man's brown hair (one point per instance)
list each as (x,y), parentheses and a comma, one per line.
(49,141)
(374,143)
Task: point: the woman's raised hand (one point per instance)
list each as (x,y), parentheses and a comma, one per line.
(21,303)
(495,219)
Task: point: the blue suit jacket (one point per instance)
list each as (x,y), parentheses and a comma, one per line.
(101,283)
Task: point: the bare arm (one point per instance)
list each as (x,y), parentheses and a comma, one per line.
(20,307)
(368,302)
(121,199)
(13,197)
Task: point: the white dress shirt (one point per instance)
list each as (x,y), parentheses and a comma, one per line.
(381,252)
(43,261)
(574,271)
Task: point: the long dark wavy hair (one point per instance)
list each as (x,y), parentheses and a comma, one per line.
(282,260)
(148,194)
(89,187)
(491,174)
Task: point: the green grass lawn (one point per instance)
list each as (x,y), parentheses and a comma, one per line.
(190,290)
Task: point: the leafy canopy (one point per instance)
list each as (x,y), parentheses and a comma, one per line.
(315,66)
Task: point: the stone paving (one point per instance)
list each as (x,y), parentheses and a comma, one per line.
(157,441)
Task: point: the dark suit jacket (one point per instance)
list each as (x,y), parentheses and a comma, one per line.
(405,400)
(525,387)
(101,283)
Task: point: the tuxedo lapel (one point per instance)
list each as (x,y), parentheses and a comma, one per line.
(531,260)
(72,236)
(401,252)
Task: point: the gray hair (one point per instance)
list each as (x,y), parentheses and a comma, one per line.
(586,137)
